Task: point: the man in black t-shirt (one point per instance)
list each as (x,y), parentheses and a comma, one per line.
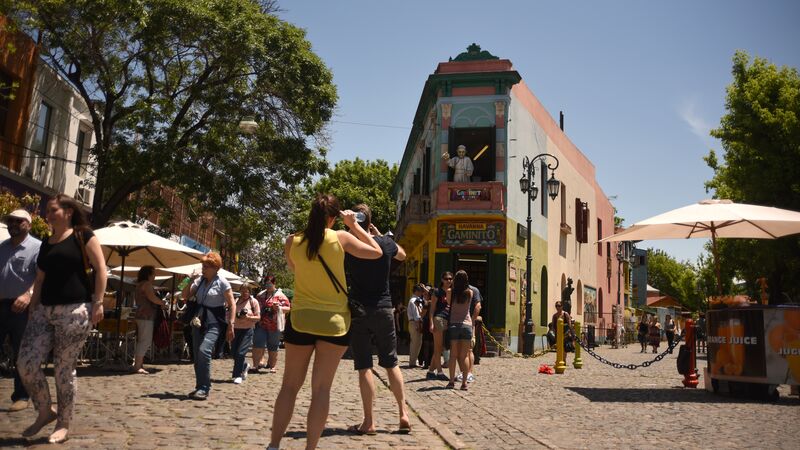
(368,281)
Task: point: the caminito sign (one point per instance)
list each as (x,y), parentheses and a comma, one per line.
(472,234)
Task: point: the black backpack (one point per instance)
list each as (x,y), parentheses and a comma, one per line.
(683,360)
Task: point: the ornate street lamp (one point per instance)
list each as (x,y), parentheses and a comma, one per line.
(527,185)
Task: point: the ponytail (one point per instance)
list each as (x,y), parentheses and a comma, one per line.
(323,207)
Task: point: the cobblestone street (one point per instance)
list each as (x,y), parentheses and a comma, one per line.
(509,406)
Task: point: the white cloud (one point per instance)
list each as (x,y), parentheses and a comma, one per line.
(697,125)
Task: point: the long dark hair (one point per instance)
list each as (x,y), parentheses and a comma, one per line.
(323,207)
(461,287)
(145,272)
(79,220)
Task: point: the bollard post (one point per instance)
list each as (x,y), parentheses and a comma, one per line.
(578,362)
(561,365)
(690,379)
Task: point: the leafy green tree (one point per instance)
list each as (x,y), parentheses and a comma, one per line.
(760,135)
(674,278)
(354,182)
(167,83)
(29,202)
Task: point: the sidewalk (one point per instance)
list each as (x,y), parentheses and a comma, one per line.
(509,406)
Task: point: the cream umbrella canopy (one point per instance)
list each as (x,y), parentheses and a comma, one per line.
(3,232)
(129,243)
(714,219)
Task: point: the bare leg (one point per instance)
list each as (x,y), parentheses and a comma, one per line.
(397,387)
(366,383)
(451,364)
(258,357)
(294,375)
(326,361)
(462,349)
(436,359)
(272,359)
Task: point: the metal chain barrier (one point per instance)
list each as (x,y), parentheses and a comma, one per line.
(659,357)
(487,334)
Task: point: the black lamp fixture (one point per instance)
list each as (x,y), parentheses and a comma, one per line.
(528,186)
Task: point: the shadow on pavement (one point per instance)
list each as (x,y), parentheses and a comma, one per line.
(434,388)
(333,432)
(168,396)
(21,442)
(662,395)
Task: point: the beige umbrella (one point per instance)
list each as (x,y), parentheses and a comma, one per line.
(3,232)
(714,219)
(198,268)
(129,243)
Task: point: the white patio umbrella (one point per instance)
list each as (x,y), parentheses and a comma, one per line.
(3,232)
(197,268)
(129,243)
(714,219)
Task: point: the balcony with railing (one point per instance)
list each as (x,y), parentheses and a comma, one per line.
(416,211)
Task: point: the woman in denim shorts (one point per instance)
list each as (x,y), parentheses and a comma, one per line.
(460,329)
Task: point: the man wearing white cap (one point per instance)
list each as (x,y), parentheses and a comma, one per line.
(462,165)
(17,273)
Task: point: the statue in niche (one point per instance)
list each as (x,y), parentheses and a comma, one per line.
(566,295)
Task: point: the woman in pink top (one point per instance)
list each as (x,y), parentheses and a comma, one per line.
(460,329)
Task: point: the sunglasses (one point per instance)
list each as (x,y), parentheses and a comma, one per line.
(558,306)
(448,279)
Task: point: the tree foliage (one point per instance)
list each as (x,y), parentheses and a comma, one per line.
(760,135)
(680,280)
(29,202)
(167,82)
(354,182)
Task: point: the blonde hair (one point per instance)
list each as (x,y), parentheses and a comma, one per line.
(212,258)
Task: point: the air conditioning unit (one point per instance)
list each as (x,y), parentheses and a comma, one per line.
(83,195)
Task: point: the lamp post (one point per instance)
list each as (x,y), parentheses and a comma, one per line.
(527,185)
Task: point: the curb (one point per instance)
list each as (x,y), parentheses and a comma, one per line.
(442,431)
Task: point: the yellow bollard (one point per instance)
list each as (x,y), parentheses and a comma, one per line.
(561,365)
(578,362)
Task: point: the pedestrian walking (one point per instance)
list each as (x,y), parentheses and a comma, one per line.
(439,320)
(475,310)
(274,307)
(18,256)
(414,311)
(247,315)
(426,352)
(319,324)
(669,331)
(654,334)
(369,284)
(217,307)
(64,305)
(147,306)
(460,327)
(643,329)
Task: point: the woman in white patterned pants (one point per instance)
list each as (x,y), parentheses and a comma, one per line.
(61,313)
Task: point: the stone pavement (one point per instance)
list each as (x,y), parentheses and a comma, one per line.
(509,406)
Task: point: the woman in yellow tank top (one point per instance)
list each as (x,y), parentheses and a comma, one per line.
(320,319)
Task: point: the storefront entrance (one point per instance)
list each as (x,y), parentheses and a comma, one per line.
(476,267)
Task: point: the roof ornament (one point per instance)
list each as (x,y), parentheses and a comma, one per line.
(474,53)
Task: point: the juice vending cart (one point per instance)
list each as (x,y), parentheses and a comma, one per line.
(753,348)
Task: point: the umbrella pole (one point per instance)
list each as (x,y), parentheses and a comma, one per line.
(120,295)
(716,262)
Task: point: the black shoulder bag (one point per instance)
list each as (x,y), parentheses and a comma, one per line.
(193,308)
(356,308)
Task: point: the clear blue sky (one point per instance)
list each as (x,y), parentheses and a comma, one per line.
(640,82)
